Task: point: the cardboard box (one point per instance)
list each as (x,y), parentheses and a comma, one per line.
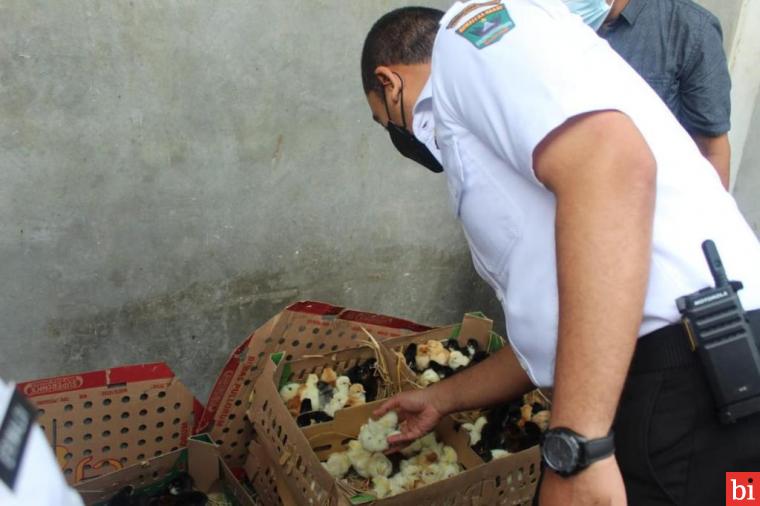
(474,326)
(508,481)
(200,459)
(303,328)
(103,421)
(267,477)
(262,470)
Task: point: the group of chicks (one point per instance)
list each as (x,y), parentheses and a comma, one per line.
(318,399)
(436,360)
(424,462)
(506,429)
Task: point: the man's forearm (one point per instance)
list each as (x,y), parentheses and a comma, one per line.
(497,379)
(717,150)
(603,265)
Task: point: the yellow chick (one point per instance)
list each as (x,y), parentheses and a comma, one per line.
(422,359)
(542,419)
(381,487)
(408,477)
(397,484)
(356,395)
(359,458)
(328,376)
(438,353)
(526,411)
(458,359)
(475,429)
(310,391)
(431,473)
(428,440)
(373,435)
(429,377)
(337,464)
(448,455)
(379,465)
(449,470)
(340,396)
(289,391)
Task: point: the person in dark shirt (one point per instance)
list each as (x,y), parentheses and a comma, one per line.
(677,47)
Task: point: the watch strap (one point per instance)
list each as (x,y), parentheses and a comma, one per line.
(598,449)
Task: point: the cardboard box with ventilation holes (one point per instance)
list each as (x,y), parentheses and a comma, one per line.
(200,459)
(299,453)
(303,328)
(297,477)
(100,422)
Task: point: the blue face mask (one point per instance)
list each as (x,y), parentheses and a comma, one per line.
(593,12)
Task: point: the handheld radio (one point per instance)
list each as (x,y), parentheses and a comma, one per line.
(720,332)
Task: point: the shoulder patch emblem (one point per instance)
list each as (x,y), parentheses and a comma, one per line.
(488,27)
(468,9)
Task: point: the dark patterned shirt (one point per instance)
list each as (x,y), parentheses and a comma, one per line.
(677,47)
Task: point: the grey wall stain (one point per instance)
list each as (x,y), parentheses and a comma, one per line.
(194,329)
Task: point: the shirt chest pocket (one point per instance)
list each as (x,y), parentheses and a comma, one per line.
(488,213)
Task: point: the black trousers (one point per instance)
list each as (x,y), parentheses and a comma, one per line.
(670,446)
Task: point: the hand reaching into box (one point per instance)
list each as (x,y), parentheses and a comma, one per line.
(418,414)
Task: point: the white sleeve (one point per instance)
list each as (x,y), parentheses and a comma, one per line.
(511,94)
(39,480)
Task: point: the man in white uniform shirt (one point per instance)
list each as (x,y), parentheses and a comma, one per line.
(584,204)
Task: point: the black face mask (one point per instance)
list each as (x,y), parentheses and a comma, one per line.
(405,141)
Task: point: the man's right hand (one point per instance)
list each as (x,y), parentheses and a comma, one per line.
(418,412)
(499,378)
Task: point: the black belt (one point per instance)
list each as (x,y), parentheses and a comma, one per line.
(669,348)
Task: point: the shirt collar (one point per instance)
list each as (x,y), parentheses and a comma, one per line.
(631,11)
(421,121)
(424,101)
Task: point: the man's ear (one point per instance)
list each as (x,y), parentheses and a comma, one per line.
(390,81)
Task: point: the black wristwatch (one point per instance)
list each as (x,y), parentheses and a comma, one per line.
(566,452)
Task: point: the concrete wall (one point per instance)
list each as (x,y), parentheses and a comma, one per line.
(728,13)
(174,173)
(747,190)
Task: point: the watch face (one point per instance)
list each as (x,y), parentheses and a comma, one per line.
(561,452)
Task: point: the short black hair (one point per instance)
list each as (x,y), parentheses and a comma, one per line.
(403,36)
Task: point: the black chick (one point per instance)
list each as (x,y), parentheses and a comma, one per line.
(312,417)
(123,497)
(473,347)
(364,373)
(492,435)
(443,371)
(128,496)
(410,356)
(453,345)
(189,498)
(531,435)
(478,357)
(326,392)
(182,483)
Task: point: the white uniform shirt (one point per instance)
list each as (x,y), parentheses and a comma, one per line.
(39,481)
(492,106)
